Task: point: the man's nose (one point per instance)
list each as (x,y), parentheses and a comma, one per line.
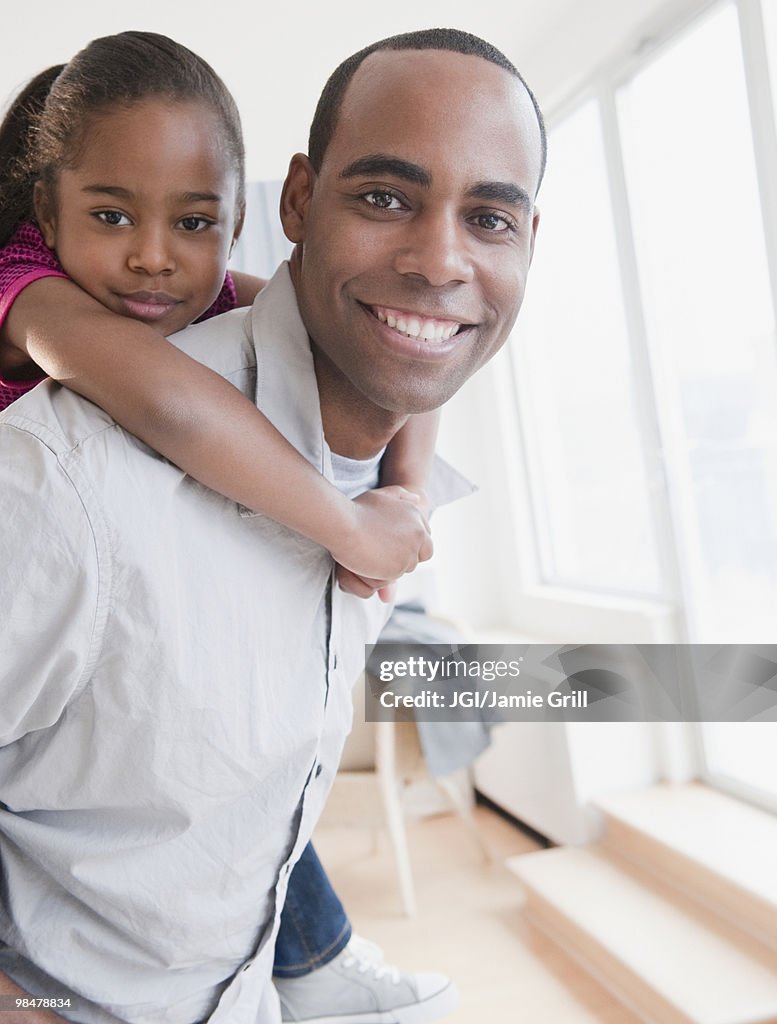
(151,251)
(437,247)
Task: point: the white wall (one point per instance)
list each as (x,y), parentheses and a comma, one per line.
(275,57)
(588,35)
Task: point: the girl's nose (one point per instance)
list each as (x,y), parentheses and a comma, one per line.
(151,252)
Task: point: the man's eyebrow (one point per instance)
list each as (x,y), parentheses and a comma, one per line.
(502,192)
(379,164)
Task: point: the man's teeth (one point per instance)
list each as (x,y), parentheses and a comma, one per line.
(413,327)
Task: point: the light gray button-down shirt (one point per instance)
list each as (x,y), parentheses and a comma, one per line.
(173,701)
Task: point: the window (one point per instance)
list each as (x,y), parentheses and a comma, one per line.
(575,379)
(694,201)
(646,364)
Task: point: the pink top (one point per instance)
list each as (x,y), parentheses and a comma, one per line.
(25,259)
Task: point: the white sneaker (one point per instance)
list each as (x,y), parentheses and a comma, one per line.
(357,987)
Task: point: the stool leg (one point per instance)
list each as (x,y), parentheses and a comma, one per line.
(385,762)
(448,784)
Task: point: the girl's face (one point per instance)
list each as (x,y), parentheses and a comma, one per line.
(145,220)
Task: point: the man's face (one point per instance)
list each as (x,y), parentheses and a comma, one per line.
(417,234)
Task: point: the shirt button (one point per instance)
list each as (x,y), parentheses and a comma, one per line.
(318,770)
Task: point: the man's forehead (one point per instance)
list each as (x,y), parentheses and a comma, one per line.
(427,74)
(399,99)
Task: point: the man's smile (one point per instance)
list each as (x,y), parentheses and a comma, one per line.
(417,325)
(415,335)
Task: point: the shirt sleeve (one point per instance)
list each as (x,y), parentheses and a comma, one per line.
(10,390)
(48,586)
(224,301)
(25,259)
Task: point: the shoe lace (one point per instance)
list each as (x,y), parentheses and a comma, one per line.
(366,956)
(378,970)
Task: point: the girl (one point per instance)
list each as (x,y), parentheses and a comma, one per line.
(128,163)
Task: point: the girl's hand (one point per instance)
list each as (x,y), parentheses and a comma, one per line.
(363,586)
(389,536)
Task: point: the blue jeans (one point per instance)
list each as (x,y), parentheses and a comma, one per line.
(314,926)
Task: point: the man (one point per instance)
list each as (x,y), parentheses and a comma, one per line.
(176,685)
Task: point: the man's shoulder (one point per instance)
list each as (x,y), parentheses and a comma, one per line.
(57,418)
(223,343)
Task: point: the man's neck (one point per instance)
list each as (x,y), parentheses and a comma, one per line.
(353,426)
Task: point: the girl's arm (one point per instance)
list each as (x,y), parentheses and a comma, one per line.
(204,425)
(247,287)
(407,463)
(408,459)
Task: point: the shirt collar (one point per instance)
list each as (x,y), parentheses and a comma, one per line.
(286,386)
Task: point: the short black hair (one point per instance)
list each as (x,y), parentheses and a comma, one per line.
(325,119)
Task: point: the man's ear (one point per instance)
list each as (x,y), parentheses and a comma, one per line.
(295,197)
(534,225)
(45,213)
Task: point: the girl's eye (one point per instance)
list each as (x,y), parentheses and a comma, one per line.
(494,222)
(383,200)
(194,223)
(113,217)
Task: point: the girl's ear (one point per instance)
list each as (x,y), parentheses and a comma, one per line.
(45,213)
(295,197)
(241,217)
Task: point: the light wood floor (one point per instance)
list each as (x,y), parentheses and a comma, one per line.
(469,922)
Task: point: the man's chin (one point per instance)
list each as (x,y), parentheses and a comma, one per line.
(405,404)
(414,402)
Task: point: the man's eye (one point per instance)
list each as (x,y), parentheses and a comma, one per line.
(113,217)
(383,200)
(194,223)
(494,222)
